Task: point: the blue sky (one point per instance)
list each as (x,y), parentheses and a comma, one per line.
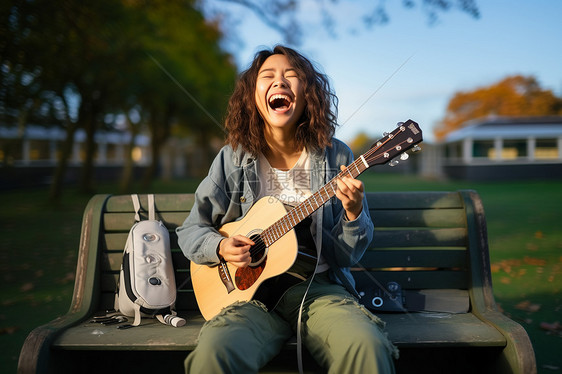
(457,53)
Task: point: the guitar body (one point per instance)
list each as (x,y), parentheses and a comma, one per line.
(211,292)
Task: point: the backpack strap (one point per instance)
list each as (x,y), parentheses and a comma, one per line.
(151,209)
(136,205)
(137,320)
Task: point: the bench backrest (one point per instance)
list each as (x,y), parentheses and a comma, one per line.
(421,242)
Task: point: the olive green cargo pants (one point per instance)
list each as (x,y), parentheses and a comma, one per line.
(340,334)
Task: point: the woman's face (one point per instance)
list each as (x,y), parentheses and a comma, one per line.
(279,93)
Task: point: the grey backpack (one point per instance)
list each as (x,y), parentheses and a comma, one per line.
(147,285)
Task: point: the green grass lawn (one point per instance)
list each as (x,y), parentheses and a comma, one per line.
(39,243)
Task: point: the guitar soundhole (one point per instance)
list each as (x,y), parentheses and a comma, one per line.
(258,250)
(246,277)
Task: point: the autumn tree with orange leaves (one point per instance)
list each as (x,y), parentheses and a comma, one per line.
(513,96)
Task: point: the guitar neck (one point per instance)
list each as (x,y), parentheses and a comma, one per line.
(311,204)
(392,144)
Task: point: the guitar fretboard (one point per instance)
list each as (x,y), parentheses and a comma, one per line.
(311,204)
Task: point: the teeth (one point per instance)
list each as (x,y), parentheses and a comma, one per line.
(279,96)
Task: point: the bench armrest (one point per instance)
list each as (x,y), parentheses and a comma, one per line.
(35,352)
(518,355)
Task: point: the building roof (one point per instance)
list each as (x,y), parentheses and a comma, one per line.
(508,128)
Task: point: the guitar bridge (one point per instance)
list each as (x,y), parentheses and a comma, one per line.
(225,276)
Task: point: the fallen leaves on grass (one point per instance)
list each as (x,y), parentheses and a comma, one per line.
(8,330)
(505,265)
(26,287)
(552,328)
(68,278)
(505,280)
(534,261)
(532,247)
(527,306)
(539,235)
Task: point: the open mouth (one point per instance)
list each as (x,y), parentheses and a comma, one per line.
(279,102)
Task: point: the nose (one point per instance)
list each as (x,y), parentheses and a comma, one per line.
(280,84)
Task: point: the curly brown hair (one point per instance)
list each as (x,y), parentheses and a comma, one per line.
(317,124)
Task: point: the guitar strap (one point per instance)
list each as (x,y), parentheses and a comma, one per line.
(304,236)
(299,319)
(307,257)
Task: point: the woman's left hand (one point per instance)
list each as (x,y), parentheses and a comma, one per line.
(350,192)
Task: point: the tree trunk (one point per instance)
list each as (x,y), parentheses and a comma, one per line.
(87,177)
(128,167)
(159,131)
(57,184)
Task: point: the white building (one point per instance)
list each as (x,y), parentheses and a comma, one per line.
(40,146)
(505,148)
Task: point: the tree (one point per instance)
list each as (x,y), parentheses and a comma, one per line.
(188,72)
(110,57)
(287,17)
(513,96)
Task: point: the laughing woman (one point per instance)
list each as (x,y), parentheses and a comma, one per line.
(281,120)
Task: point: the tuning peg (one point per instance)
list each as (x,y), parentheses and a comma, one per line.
(393,162)
(404,156)
(399,124)
(416,148)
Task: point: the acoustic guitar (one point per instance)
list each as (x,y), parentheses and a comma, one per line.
(271,227)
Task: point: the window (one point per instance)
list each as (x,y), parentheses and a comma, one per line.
(484,149)
(514,149)
(546,149)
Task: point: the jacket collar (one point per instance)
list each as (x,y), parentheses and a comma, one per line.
(241,158)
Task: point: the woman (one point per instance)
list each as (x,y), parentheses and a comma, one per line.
(281,120)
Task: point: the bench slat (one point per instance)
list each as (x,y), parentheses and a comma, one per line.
(455,237)
(151,335)
(439,258)
(451,218)
(123,221)
(409,279)
(430,218)
(404,329)
(440,329)
(162,202)
(419,200)
(375,258)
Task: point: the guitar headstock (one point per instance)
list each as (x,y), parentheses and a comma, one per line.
(406,136)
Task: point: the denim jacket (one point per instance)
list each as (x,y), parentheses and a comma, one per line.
(232,187)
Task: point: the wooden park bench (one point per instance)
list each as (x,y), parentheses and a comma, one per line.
(433,244)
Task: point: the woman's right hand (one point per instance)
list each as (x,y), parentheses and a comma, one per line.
(236,250)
